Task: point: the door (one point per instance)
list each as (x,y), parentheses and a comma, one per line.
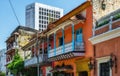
(79,37)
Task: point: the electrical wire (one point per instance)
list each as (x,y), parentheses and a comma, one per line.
(14,12)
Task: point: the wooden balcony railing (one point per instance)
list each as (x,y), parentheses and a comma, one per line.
(33,60)
(79,47)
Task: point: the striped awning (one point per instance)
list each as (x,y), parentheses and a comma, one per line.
(67,55)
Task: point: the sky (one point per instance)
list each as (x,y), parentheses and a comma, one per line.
(8,21)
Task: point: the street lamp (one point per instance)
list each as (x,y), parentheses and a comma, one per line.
(113,62)
(91,64)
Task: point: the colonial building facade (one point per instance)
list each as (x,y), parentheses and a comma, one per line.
(35,56)
(18,38)
(66,44)
(106,37)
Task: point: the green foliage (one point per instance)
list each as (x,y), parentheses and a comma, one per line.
(2,74)
(103,23)
(17,65)
(117,16)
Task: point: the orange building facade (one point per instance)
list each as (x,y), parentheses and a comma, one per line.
(68,46)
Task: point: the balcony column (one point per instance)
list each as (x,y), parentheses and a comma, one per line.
(16,40)
(48,45)
(24,54)
(73,42)
(54,44)
(110,26)
(63,41)
(42,48)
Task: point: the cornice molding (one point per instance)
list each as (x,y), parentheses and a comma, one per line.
(105,36)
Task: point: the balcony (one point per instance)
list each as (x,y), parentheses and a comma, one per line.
(67,51)
(33,60)
(107,31)
(9,62)
(11,46)
(107,27)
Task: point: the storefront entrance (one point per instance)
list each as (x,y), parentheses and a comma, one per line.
(82,67)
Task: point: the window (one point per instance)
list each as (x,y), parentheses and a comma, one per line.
(45,22)
(60,41)
(40,17)
(104,69)
(39,12)
(79,35)
(40,51)
(40,26)
(44,26)
(39,29)
(48,74)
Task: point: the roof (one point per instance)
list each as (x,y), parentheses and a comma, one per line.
(75,11)
(40,36)
(23,28)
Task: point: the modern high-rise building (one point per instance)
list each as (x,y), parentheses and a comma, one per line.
(38,15)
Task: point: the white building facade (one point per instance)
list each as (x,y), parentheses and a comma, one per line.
(38,15)
(2,60)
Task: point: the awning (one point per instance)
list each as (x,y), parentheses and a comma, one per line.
(67,55)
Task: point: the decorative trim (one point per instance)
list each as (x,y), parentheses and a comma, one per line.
(67,55)
(105,36)
(102,60)
(61,26)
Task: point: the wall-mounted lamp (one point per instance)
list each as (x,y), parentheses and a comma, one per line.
(103,5)
(91,64)
(113,62)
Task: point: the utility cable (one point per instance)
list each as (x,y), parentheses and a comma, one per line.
(14,12)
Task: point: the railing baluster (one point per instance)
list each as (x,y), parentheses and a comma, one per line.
(110,26)
(54,44)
